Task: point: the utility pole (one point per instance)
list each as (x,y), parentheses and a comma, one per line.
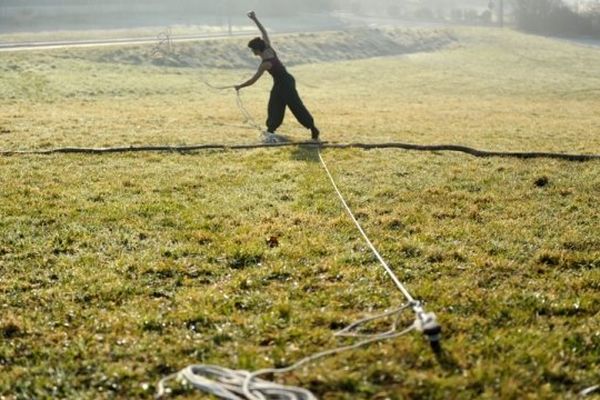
(501,13)
(228,5)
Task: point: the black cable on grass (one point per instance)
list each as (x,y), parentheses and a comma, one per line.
(332,145)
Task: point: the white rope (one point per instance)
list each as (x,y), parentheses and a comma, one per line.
(240,105)
(218,87)
(249,120)
(228,384)
(589,390)
(347,331)
(425,322)
(375,338)
(393,276)
(364,235)
(266,136)
(231,384)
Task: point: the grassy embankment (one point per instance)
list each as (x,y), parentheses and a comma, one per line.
(119,269)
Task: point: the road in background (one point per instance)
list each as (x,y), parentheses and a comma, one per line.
(59,44)
(304,24)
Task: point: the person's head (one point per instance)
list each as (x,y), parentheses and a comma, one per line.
(257,45)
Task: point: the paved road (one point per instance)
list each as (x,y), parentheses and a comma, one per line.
(339,23)
(25,46)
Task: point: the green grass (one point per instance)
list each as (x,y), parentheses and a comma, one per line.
(116,270)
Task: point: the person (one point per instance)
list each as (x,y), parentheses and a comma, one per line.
(283,93)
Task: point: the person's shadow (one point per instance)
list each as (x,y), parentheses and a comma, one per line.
(306,152)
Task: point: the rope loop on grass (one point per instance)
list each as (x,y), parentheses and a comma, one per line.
(229,384)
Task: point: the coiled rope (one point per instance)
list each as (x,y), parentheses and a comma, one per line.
(230,384)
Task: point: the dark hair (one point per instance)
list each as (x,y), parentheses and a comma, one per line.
(257,44)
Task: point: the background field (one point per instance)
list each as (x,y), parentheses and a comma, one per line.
(117,270)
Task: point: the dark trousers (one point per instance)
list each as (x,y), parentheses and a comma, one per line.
(284,94)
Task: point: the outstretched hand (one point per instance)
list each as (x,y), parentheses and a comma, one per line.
(251,15)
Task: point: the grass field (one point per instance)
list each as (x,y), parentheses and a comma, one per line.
(117,270)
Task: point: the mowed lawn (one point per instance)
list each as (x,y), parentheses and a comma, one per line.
(119,269)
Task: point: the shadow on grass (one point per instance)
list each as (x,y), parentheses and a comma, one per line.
(306,153)
(447,361)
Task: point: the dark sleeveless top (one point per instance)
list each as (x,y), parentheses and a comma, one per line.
(277,70)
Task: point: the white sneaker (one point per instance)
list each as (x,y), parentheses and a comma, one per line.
(269,137)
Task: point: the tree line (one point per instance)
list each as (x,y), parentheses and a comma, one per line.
(554,17)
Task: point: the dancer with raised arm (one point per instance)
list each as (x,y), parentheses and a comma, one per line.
(283,93)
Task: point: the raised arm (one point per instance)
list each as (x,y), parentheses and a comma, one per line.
(261,28)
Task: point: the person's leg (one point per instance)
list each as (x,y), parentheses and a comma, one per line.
(297,107)
(276,109)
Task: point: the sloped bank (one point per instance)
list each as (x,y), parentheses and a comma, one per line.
(294,49)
